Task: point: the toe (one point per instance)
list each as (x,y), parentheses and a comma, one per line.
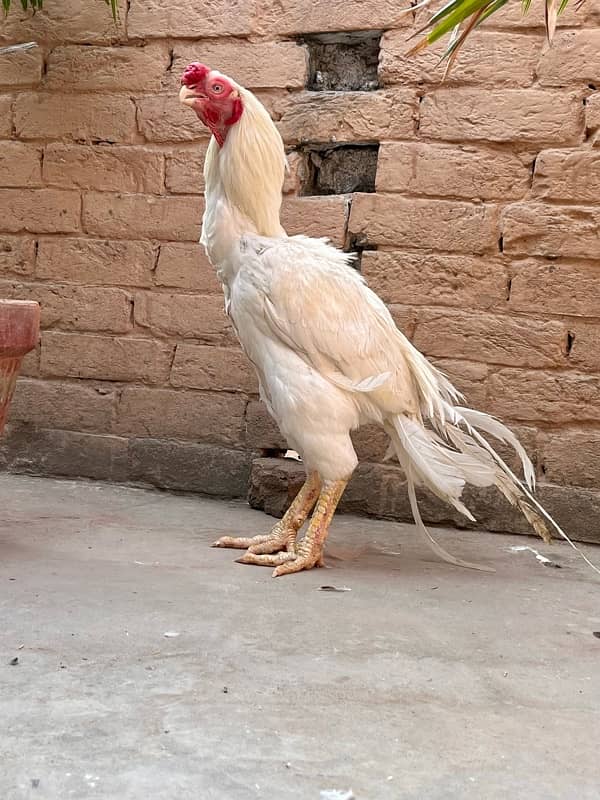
(265,559)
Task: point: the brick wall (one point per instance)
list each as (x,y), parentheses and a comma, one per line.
(482,232)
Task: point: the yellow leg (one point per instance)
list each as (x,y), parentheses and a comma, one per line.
(283,535)
(309,553)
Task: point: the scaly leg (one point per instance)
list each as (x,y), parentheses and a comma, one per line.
(283,535)
(309,553)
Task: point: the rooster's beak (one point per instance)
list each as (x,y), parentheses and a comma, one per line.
(188,96)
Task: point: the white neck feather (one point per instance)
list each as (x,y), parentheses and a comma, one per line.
(248,171)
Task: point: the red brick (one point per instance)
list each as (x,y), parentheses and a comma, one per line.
(162,118)
(567,175)
(198,416)
(6,115)
(541,396)
(21,69)
(370,443)
(66,21)
(513,341)
(20,164)
(96,261)
(304,16)
(536,229)
(17,255)
(260,65)
(486,58)
(405,318)
(502,115)
(185,266)
(81,118)
(434,279)
(438,224)
(104,167)
(213,369)
(204,18)
(555,287)
(315,216)
(71,406)
(78,308)
(200,317)
(110,358)
(138,216)
(574,57)
(184,170)
(348,116)
(459,171)
(107,69)
(39,210)
(572,457)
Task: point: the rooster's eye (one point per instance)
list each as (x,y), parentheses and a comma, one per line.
(217,88)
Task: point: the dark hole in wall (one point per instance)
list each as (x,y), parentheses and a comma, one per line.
(341,169)
(343,62)
(357,244)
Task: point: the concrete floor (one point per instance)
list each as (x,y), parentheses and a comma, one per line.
(424,681)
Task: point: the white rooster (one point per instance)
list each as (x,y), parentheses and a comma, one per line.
(328,355)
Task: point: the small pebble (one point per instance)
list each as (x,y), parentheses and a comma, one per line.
(14,661)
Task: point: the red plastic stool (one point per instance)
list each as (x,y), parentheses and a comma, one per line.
(19,333)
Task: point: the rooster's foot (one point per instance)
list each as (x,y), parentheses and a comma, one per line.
(280,538)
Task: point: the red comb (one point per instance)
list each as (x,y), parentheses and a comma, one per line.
(194,73)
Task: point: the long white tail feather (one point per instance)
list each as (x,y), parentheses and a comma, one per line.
(435,546)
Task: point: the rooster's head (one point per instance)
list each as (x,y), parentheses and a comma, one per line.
(214,97)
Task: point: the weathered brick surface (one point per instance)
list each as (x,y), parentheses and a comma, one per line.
(20,69)
(538,396)
(39,210)
(138,216)
(78,308)
(191,467)
(264,65)
(539,286)
(66,405)
(432,278)
(572,175)
(164,413)
(573,58)
(17,255)
(6,102)
(156,19)
(67,21)
(302,16)
(424,224)
(78,117)
(107,69)
(105,357)
(349,116)
(541,230)
(184,170)
(20,164)
(96,261)
(464,171)
(572,457)
(513,341)
(315,216)
(485,217)
(213,369)
(502,115)
(104,168)
(185,266)
(487,58)
(190,316)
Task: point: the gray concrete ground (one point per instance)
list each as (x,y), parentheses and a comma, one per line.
(424,681)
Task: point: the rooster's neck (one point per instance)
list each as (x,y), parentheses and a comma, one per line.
(246,174)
